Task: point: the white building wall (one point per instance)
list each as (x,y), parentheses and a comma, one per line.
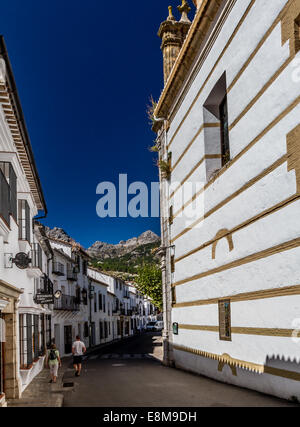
(252,184)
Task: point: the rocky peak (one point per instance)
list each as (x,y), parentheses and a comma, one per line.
(105,250)
(58,234)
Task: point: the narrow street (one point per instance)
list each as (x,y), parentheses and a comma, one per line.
(125,375)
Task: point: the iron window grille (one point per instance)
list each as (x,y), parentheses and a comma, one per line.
(42,335)
(78,264)
(71,274)
(84,267)
(4,198)
(84,297)
(48,330)
(58,268)
(24,220)
(66,303)
(225,320)
(11,178)
(36,256)
(26,341)
(36,337)
(78,295)
(45,286)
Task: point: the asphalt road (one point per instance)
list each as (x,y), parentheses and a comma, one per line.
(124,375)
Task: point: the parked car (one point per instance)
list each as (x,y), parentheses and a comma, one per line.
(150,326)
(159,326)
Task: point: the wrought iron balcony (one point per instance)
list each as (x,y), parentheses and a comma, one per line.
(67,303)
(58,269)
(71,274)
(45,286)
(44,291)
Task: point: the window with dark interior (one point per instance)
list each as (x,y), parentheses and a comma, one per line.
(24,220)
(173,264)
(171,215)
(225,320)
(216,128)
(26,340)
(8,191)
(297,34)
(225,149)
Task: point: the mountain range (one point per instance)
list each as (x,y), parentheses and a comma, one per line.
(124,257)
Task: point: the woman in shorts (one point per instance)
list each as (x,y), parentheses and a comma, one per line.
(54,362)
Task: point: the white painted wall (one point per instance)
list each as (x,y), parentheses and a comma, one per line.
(276,271)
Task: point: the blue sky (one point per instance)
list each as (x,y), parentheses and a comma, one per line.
(85,72)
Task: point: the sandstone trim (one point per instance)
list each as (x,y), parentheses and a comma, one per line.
(292,244)
(242,364)
(247,296)
(293,149)
(224,233)
(244,224)
(249,184)
(290,108)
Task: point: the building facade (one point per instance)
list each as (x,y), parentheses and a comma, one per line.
(71,310)
(24,251)
(228,135)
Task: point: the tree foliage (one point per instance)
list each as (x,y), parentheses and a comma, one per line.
(149,282)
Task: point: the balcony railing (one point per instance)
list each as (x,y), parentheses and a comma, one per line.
(58,268)
(71,275)
(36,256)
(4,198)
(67,303)
(44,291)
(45,286)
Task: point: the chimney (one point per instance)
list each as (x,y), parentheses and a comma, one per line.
(173,34)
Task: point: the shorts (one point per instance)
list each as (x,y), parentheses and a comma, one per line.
(54,369)
(77,360)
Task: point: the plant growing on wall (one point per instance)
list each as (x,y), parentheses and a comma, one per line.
(150,110)
(154,149)
(149,282)
(166,167)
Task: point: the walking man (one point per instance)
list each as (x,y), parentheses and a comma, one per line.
(78,350)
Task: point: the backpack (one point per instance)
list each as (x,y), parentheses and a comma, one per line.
(52,355)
